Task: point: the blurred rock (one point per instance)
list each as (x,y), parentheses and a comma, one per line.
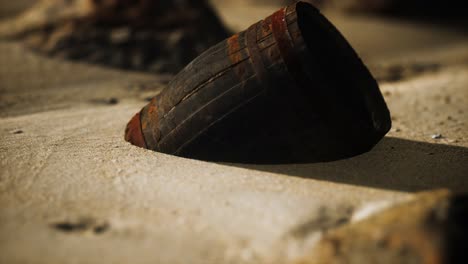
(419,8)
(152,35)
(429,228)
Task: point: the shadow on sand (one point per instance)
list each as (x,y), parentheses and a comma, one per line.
(394,164)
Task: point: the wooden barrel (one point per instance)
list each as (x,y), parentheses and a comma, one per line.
(288,89)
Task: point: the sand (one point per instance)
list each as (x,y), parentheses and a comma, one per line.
(73,191)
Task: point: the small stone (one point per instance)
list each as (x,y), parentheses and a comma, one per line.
(105,101)
(447,99)
(17,131)
(437,136)
(113,101)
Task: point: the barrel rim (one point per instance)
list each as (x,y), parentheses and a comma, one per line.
(363,85)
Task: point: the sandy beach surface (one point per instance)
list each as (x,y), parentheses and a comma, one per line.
(73,191)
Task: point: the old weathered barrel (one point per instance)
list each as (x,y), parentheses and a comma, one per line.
(288,89)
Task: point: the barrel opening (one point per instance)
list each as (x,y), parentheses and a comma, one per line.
(354,93)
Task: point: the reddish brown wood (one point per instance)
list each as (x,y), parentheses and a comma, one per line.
(133,132)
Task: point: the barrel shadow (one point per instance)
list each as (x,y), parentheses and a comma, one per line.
(394,164)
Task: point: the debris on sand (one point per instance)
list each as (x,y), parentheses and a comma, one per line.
(17,131)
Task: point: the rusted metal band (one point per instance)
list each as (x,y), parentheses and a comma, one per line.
(234,49)
(134,133)
(286,47)
(150,124)
(255,55)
